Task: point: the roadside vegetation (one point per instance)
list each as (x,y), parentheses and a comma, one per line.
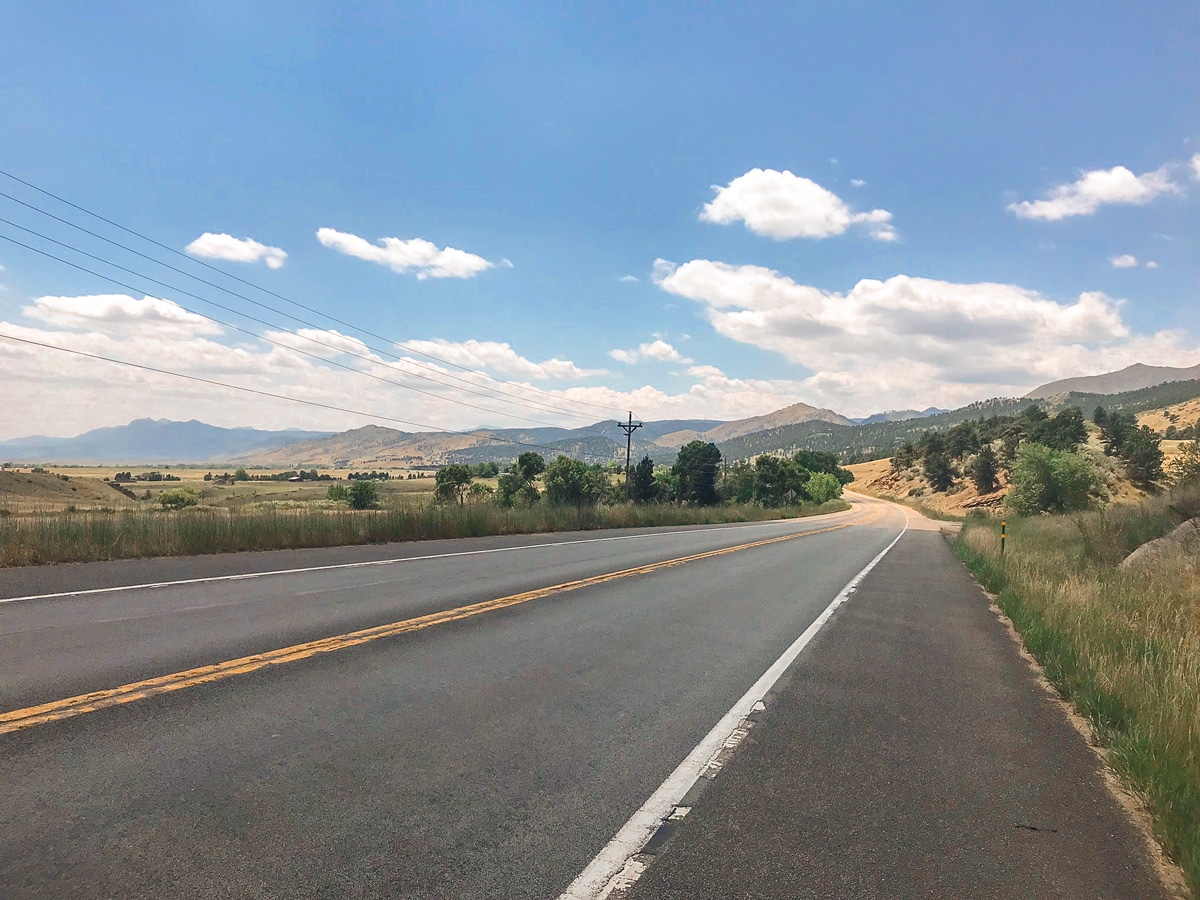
(531,495)
(1118,637)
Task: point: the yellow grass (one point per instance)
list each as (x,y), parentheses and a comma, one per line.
(1179,415)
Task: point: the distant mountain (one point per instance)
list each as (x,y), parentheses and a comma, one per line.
(150,441)
(900,415)
(789,415)
(599,442)
(376,446)
(1131,378)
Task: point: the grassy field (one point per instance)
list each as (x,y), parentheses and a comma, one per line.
(25,492)
(84,536)
(1123,646)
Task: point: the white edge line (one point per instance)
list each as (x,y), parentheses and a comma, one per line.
(401,559)
(634,834)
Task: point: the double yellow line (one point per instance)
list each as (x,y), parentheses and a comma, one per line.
(69,707)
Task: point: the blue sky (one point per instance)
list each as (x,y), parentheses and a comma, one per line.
(865,247)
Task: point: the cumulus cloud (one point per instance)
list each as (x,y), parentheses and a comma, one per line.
(1151,265)
(1196,166)
(1124,261)
(120,313)
(657,349)
(915,341)
(857,182)
(47,392)
(1095,189)
(227,247)
(781,205)
(628,279)
(416,255)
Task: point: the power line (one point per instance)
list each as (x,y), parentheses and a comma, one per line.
(294,318)
(268,324)
(257,287)
(261,393)
(518,402)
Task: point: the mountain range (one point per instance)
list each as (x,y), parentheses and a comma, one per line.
(159,441)
(150,441)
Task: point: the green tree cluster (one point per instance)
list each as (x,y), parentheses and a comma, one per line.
(572,482)
(1139,448)
(969,448)
(695,472)
(780,481)
(517,486)
(451,483)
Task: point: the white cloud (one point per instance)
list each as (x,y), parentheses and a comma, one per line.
(47,392)
(628,279)
(500,357)
(857,182)
(225,246)
(427,260)
(1151,265)
(122,314)
(657,349)
(1196,166)
(1124,261)
(916,341)
(1096,188)
(781,205)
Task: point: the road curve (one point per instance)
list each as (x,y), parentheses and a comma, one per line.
(482,757)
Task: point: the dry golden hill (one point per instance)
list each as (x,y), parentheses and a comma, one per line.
(877,479)
(1180,415)
(23,491)
(789,415)
(370,446)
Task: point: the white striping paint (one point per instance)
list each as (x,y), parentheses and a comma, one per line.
(402,559)
(613,868)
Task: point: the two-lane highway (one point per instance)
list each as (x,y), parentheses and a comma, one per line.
(490,750)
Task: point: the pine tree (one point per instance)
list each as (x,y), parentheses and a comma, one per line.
(983,470)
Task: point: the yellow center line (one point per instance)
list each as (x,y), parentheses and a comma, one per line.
(69,707)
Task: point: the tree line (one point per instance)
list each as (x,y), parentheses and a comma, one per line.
(696,478)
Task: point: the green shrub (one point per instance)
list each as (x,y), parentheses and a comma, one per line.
(363,495)
(337,492)
(179,497)
(823,487)
(1046,480)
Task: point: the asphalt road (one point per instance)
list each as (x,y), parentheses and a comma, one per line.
(489,756)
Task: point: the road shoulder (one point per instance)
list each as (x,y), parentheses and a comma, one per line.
(912,753)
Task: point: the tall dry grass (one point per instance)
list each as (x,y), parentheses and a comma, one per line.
(86,536)
(1122,646)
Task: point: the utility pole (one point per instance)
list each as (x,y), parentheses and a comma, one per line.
(629,428)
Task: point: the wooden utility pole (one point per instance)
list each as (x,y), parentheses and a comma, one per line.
(629,428)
